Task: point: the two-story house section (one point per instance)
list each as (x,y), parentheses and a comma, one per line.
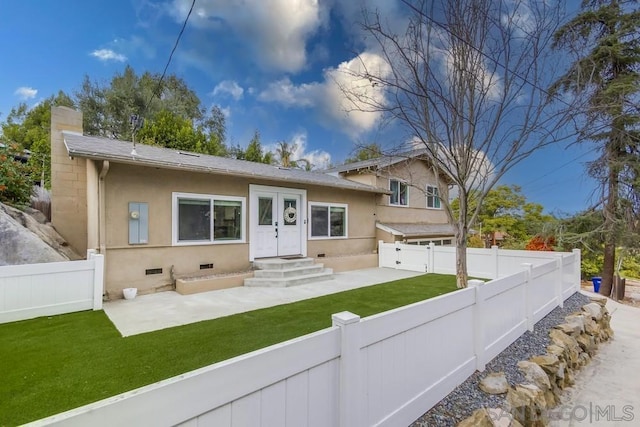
(412,210)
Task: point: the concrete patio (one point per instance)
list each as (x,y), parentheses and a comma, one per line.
(162,310)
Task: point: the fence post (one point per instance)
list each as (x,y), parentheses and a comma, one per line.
(559,280)
(528,288)
(380,242)
(478,325)
(350,409)
(578,269)
(98,279)
(494,255)
(432,257)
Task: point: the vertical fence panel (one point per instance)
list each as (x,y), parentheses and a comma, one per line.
(33,290)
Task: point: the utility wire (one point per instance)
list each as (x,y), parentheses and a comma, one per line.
(175,46)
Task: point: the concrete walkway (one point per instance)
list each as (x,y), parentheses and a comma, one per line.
(162,310)
(607,390)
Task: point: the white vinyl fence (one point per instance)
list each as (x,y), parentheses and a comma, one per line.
(384,370)
(33,290)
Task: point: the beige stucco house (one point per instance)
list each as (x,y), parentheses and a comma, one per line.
(158,214)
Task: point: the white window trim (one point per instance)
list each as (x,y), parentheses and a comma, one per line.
(398,205)
(329,205)
(211,198)
(426,201)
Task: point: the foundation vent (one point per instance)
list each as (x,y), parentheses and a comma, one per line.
(150,271)
(206,266)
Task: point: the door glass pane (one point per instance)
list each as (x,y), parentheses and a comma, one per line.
(227,220)
(337,221)
(194,220)
(265,211)
(290,212)
(319,221)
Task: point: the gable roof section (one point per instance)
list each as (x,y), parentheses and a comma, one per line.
(377,163)
(98,148)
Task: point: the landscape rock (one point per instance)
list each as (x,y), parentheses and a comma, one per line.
(494,383)
(572,329)
(527,404)
(27,241)
(548,362)
(594,310)
(535,374)
(490,417)
(576,319)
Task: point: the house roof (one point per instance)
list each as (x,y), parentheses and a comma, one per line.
(379,162)
(99,148)
(408,230)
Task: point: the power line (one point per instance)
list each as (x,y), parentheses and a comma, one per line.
(175,46)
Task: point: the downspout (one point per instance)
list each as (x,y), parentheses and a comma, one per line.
(102,216)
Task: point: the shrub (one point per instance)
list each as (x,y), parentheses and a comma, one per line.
(15,177)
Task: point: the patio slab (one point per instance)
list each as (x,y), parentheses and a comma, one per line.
(162,310)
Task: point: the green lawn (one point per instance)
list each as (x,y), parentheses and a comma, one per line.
(52,364)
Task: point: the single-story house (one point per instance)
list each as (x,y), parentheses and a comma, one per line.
(158,214)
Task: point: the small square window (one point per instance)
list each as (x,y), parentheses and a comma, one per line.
(433,197)
(399,193)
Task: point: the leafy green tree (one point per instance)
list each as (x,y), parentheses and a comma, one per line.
(605,40)
(366,152)
(505,209)
(107,108)
(15,176)
(31,129)
(255,153)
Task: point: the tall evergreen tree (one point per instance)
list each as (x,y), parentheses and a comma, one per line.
(605,39)
(255,152)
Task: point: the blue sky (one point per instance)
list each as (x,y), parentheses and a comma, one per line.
(268,64)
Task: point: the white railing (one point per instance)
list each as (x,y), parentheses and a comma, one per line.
(33,290)
(384,370)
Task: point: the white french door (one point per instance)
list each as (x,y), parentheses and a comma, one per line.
(277,222)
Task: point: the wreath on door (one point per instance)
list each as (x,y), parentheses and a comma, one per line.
(290,215)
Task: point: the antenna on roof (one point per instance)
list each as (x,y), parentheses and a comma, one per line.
(136,123)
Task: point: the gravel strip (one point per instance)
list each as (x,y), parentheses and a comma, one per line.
(468,397)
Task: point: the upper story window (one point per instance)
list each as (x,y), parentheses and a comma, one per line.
(399,193)
(203,219)
(433,198)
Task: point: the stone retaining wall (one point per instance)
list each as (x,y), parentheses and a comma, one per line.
(572,346)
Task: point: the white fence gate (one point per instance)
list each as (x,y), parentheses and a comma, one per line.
(33,290)
(402,257)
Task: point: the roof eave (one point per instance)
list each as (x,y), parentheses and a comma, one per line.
(194,168)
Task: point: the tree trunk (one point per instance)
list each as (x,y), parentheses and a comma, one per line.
(611,211)
(461,256)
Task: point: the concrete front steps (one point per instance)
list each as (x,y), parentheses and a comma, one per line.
(282,272)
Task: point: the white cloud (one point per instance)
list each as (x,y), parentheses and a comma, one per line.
(25,92)
(230,87)
(276,32)
(285,92)
(108,55)
(351,113)
(132,46)
(318,159)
